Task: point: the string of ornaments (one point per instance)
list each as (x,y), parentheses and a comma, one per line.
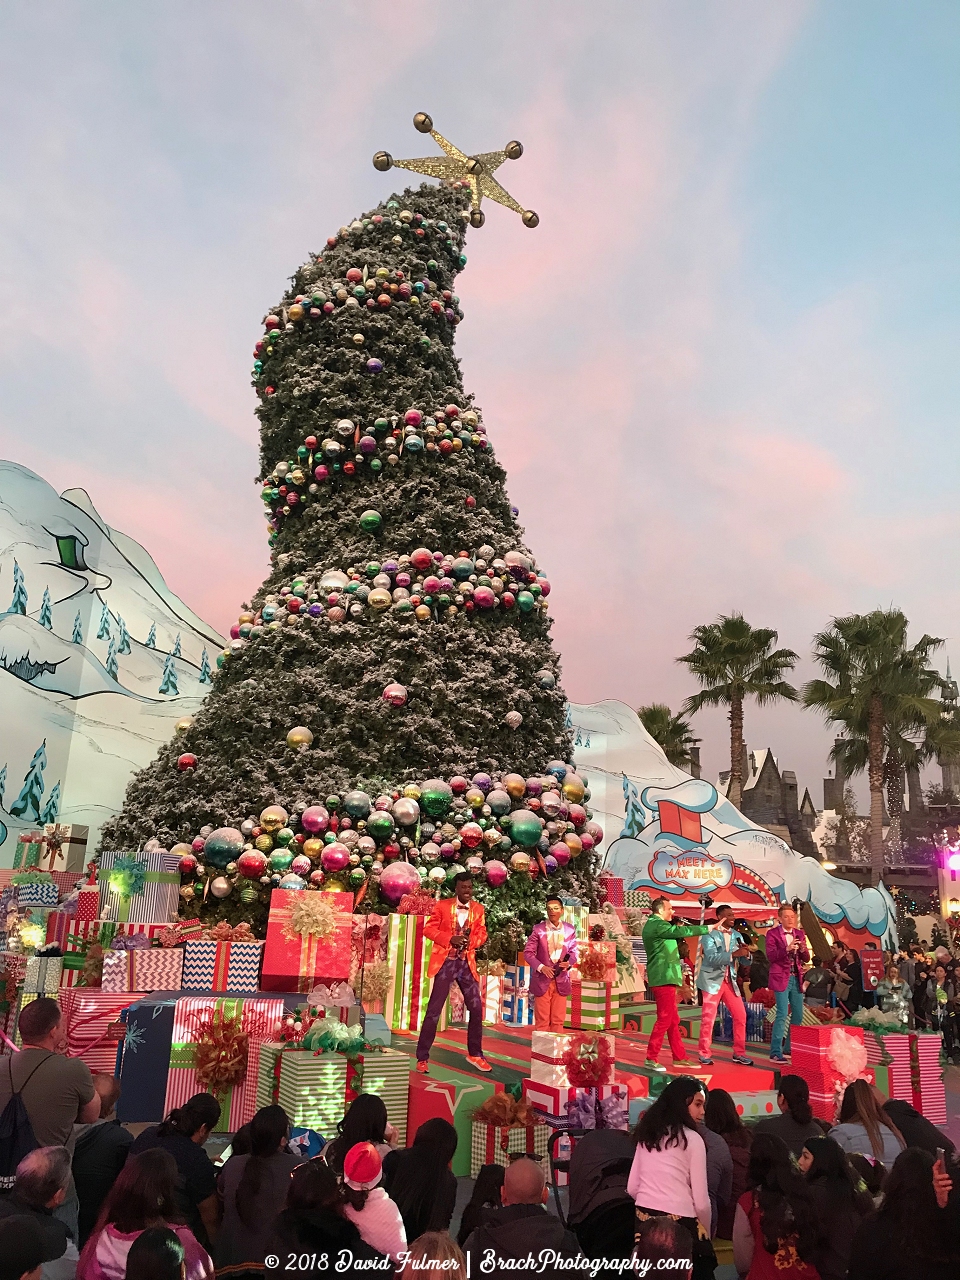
(423,834)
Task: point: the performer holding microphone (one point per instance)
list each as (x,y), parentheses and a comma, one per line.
(720,952)
(551,952)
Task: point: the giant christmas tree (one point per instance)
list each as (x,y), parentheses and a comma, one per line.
(389,709)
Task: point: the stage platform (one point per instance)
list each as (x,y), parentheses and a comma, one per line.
(507,1049)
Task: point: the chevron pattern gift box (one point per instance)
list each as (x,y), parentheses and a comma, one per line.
(491,993)
(141,886)
(145,969)
(36,889)
(193,1016)
(593,1006)
(298,961)
(222,966)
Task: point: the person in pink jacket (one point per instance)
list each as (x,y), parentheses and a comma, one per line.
(142,1197)
(787,954)
(551,952)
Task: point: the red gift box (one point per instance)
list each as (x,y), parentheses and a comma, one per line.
(453,1100)
(298,964)
(89,1014)
(88,903)
(610,889)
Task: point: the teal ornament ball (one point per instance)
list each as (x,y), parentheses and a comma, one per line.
(222,846)
(357,804)
(436,797)
(525,828)
(280,860)
(292,881)
(499,802)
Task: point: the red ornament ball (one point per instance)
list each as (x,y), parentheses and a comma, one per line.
(470,501)
(395,695)
(187,762)
(471,834)
(252,864)
(354,275)
(188,864)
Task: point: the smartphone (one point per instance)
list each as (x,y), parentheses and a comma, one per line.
(941,1156)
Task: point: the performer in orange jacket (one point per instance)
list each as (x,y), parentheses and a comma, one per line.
(456,927)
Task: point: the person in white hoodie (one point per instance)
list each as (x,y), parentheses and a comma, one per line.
(368,1206)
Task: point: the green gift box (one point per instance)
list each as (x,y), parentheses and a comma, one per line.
(494,1144)
(593,1006)
(408,954)
(453,1095)
(26,856)
(316,1089)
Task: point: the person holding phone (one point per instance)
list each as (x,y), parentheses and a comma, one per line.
(551,952)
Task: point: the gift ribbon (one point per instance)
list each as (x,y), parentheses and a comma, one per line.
(124,901)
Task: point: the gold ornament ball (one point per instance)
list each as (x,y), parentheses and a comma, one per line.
(477,218)
(295,311)
(422,122)
(301,736)
(573,789)
(411,791)
(531,219)
(379,599)
(313,847)
(187,893)
(422,612)
(514,150)
(273,818)
(491,837)
(520,861)
(264,843)
(358,339)
(221,887)
(183,724)
(383,161)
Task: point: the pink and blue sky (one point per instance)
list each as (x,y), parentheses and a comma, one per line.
(722,373)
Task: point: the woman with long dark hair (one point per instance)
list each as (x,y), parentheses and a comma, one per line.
(142,1197)
(840,1204)
(795,1124)
(669,1171)
(420,1181)
(365,1121)
(253,1189)
(775,1232)
(721,1117)
(910,1237)
(156,1254)
(313,1221)
(183,1134)
(865,1128)
(486,1195)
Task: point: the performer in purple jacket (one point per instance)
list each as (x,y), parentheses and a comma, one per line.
(551,952)
(787,953)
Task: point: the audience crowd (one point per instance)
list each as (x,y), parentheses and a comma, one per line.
(874,1197)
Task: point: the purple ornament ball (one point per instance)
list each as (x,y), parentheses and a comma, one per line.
(315,819)
(497,872)
(483,781)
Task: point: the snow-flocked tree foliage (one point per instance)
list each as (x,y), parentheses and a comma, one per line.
(123,644)
(78,629)
(152,636)
(373,352)
(169,682)
(27,803)
(46,615)
(206,676)
(3,783)
(113,667)
(103,631)
(52,806)
(19,602)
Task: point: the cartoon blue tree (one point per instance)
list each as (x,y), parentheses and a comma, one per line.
(103,631)
(52,807)
(205,676)
(113,667)
(19,602)
(27,803)
(169,681)
(124,645)
(77,629)
(152,636)
(46,617)
(633,822)
(176,647)
(3,783)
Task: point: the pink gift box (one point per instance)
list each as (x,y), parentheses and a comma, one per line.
(90,1015)
(148,969)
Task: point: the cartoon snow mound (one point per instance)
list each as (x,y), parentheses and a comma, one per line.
(679,837)
(98,659)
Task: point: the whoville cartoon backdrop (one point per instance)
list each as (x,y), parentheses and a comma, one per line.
(670,834)
(98,659)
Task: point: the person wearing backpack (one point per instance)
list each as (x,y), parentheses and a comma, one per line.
(42,1095)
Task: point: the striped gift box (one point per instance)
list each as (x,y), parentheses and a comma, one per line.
(222,966)
(594,1006)
(756,1024)
(517,977)
(517,1008)
(579,916)
(262,1064)
(491,993)
(408,954)
(930,1098)
(28,849)
(147,969)
(811,1044)
(546,1058)
(316,1089)
(563,1107)
(161,893)
(493,1144)
(260,1019)
(90,1015)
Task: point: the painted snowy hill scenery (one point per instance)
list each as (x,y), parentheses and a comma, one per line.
(98,659)
(668,833)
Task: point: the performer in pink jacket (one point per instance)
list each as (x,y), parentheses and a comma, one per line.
(551,952)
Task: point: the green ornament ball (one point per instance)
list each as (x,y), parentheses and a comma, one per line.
(380,825)
(249,894)
(436,797)
(371,522)
(357,877)
(284,836)
(280,860)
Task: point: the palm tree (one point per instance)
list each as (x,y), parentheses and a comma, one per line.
(733,661)
(879,690)
(672,732)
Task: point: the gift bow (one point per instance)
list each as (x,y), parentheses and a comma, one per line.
(223,931)
(333,997)
(130,942)
(128,875)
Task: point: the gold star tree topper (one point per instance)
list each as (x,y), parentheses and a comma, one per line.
(477,171)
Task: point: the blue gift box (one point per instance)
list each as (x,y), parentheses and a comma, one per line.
(143,1060)
(517,1008)
(756,1024)
(38,894)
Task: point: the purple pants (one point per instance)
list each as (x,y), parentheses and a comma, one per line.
(454,969)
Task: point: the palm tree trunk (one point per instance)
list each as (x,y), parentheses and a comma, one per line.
(736,750)
(893,779)
(915,792)
(875,778)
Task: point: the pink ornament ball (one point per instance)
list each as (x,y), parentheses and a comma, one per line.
(484,598)
(335,857)
(497,872)
(397,879)
(301,865)
(577,815)
(395,695)
(586,840)
(595,831)
(561,853)
(197,844)
(315,819)
(317,877)
(413,417)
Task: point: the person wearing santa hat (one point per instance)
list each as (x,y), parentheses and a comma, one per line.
(368,1206)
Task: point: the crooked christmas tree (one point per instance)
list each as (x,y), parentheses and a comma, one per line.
(389,710)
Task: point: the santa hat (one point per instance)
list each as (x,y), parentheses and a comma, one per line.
(362,1168)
